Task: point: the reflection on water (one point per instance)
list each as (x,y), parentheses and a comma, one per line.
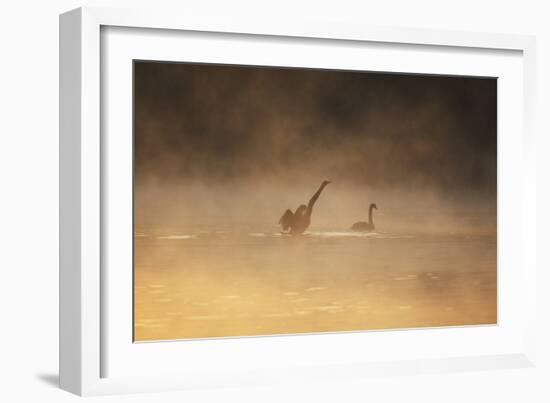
(215,283)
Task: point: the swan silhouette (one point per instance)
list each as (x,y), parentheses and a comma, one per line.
(365,226)
(296,223)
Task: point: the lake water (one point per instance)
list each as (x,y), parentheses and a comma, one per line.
(217,283)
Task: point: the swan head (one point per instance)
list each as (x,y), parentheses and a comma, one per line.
(373,205)
(325,183)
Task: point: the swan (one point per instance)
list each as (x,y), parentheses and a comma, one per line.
(365,226)
(296,223)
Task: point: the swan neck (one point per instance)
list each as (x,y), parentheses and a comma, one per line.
(370,214)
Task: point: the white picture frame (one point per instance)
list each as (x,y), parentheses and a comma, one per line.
(88,339)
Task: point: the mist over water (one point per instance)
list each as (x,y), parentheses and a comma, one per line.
(222,151)
(260,205)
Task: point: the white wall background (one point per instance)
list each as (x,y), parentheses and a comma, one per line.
(29,201)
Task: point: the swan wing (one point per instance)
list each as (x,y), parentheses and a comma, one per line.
(286,219)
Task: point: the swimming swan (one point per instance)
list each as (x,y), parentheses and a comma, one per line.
(365,226)
(296,223)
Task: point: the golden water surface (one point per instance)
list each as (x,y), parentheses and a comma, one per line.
(214,283)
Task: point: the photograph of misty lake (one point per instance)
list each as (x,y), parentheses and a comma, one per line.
(272,200)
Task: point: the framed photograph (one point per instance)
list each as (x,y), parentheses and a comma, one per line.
(249,202)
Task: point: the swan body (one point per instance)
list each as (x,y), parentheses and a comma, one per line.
(363,225)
